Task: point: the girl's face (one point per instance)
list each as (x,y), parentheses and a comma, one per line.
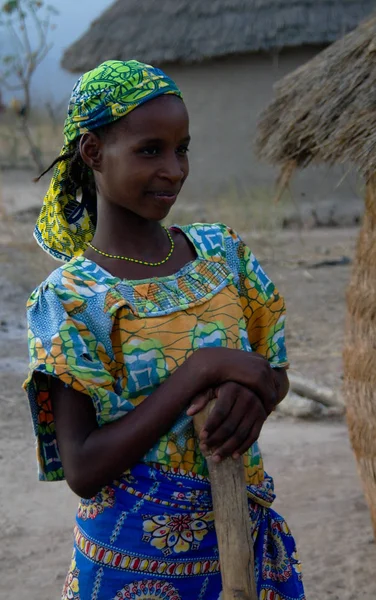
(141,162)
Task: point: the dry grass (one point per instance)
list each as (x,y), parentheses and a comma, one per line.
(252,213)
(326,110)
(246,209)
(22,264)
(314,298)
(14,152)
(360,353)
(251,210)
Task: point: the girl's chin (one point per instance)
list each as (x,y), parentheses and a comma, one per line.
(155,215)
(162,215)
(151,211)
(158,212)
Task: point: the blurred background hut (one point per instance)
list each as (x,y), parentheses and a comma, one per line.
(226,55)
(325,112)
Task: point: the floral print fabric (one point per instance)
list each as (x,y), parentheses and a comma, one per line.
(151,534)
(151,544)
(101,96)
(116,340)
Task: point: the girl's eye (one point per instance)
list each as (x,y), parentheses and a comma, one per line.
(183,150)
(150,151)
(155,151)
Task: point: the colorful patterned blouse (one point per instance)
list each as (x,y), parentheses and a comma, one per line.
(118,340)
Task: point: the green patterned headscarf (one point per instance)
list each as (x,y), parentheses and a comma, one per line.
(101,96)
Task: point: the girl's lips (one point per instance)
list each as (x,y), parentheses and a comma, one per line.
(165,197)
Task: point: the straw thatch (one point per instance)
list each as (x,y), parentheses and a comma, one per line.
(326,110)
(186,31)
(360,352)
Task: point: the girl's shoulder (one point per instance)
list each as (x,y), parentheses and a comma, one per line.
(220,242)
(212,239)
(81,282)
(209,229)
(77,280)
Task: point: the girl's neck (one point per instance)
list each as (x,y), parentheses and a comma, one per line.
(120,231)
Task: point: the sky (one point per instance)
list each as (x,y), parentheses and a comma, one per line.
(51,82)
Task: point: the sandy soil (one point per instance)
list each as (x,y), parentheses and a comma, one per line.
(314,470)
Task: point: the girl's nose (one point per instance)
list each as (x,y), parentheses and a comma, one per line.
(172,169)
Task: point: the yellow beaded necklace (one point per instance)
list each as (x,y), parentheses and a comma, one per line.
(136,260)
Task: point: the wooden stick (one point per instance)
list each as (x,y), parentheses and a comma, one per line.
(314,391)
(232,523)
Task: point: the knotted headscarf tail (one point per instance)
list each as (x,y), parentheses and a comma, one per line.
(101,96)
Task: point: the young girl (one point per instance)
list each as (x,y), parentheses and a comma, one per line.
(131,337)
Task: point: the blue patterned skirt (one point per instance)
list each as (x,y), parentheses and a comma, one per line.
(151,536)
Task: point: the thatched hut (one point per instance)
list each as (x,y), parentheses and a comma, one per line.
(325,112)
(226,55)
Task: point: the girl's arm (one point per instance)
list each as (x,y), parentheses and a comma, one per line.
(93,456)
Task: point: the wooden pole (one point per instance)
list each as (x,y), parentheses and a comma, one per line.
(314,391)
(232,522)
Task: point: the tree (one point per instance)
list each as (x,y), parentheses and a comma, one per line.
(28,24)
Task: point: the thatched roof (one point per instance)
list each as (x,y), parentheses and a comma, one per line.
(165,31)
(326,110)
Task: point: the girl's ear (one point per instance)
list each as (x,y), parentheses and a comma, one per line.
(91,150)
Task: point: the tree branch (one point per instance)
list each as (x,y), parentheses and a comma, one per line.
(42,33)
(25,34)
(16,37)
(28,55)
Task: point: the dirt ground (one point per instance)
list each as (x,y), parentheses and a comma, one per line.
(311,461)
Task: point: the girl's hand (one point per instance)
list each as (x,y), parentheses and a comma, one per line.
(220,365)
(235,422)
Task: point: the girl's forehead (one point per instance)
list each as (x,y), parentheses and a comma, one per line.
(165,114)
